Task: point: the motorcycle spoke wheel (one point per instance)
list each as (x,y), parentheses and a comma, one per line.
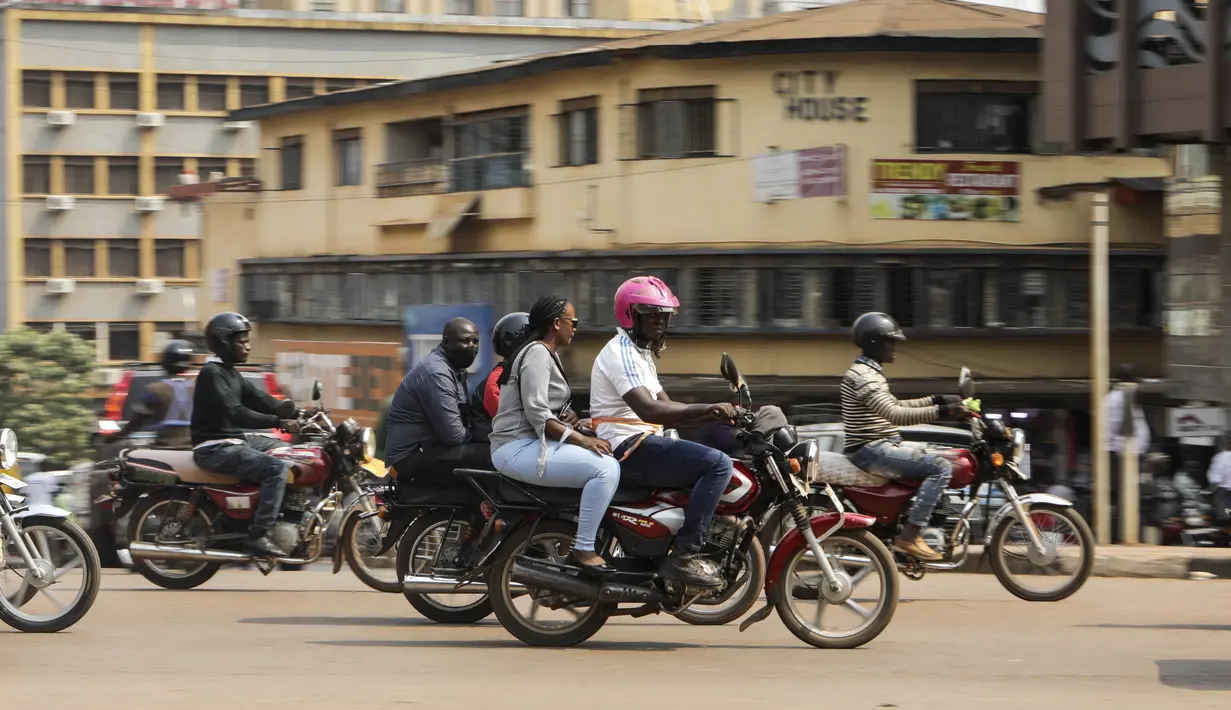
(363,538)
(65,553)
(425,540)
(1064,566)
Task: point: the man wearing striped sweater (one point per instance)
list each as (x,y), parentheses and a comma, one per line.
(871,416)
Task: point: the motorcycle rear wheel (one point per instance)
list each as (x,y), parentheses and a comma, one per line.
(554,535)
(195,575)
(880,561)
(432,606)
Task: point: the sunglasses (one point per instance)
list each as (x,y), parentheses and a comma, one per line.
(570,321)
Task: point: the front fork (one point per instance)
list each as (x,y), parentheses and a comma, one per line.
(23,544)
(838,582)
(1023,514)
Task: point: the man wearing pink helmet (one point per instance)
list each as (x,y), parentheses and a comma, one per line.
(630,409)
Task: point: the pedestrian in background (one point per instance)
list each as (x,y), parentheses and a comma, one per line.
(1114,406)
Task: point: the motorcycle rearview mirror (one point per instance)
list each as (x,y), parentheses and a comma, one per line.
(966,383)
(316,390)
(729,371)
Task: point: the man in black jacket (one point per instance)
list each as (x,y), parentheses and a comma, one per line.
(224,405)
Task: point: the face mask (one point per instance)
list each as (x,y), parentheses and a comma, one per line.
(462,358)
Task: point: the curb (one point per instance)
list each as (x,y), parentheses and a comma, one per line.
(1184,563)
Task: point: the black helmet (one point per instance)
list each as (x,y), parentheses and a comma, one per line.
(507,332)
(176,356)
(872,329)
(221,331)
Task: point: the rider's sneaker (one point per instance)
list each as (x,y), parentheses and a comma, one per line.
(263,547)
(691,570)
(918,549)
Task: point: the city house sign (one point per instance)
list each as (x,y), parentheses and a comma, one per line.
(812,95)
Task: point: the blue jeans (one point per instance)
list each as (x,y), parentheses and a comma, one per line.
(250,462)
(675,463)
(889,458)
(568,466)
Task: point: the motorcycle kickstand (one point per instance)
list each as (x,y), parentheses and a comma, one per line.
(265,565)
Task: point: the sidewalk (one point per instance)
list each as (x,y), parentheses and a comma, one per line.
(1141,561)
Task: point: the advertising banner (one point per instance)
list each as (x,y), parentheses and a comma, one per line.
(958,190)
(355,377)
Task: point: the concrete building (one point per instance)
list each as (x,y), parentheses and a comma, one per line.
(783,174)
(107,106)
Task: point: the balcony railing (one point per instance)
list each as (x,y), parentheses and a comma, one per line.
(432,176)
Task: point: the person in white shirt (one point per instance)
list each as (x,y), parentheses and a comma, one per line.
(630,409)
(1114,443)
(1219,477)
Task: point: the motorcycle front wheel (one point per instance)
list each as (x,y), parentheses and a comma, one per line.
(66,554)
(358,540)
(874,580)
(1014,562)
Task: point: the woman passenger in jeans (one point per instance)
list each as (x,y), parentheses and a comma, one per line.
(533,439)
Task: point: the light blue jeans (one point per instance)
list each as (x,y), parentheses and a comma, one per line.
(568,466)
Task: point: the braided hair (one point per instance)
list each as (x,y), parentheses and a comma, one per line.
(545,311)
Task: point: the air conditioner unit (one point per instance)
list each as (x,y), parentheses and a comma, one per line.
(59,203)
(61,118)
(110,377)
(236,125)
(149,204)
(61,286)
(150,287)
(151,120)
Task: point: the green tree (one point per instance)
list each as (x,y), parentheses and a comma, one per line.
(44,378)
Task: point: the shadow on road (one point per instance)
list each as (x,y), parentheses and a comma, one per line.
(353,621)
(1162,627)
(514,643)
(1200,674)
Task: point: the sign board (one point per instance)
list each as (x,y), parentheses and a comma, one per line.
(1195,422)
(795,174)
(355,377)
(954,190)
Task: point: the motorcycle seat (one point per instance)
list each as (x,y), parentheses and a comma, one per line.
(838,470)
(510,491)
(178,463)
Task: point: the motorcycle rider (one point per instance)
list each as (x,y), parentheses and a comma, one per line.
(871,416)
(166,403)
(630,409)
(224,405)
(505,337)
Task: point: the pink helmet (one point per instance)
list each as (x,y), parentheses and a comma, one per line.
(647,291)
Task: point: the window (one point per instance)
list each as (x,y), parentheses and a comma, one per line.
(86,331)
(247,167)
(170,93)
(579,9)
(211,93)
(459,7)
(206,167)
(41,327)
(578,127)
(253,91)
(490,152)
(348,156)
(167,172)
(676,123)
(169,258)
(300,88)
(123,176)
(851,293)
(123,259)
(36,89)
(974,116)
(36,175)
(125,341)
(79,175)
(1134,298)
(903,303)
(780,297)
(954,298)
(125,92)
(332,85)
(510,8)
(79,259)
(292,163)
(719,298)
(38,258)
(79,90)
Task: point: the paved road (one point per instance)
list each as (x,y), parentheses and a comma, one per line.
(306,640)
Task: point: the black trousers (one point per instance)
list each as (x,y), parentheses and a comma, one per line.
(433,464)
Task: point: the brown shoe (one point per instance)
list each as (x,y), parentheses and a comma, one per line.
(918,549)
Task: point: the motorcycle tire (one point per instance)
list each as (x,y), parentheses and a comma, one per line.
(1087,563)
(498,585)
(144,567)
(90,567)
(888,569)
(425,604)
(345,541)
(745,596)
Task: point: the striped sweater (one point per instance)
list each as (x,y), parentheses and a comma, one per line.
(870,412)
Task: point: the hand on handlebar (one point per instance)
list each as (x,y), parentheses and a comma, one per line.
(722,411)
(958,410)
(290,426)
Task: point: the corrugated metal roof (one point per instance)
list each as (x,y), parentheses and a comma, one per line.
(865,25)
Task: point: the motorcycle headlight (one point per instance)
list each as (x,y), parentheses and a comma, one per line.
(1019,445)
(367,440)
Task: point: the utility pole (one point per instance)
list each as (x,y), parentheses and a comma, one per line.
(1130,480)
(1099,366)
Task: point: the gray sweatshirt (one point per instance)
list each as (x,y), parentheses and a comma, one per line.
(535,393)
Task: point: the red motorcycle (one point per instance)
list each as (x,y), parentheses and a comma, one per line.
(544,600)
(187,522)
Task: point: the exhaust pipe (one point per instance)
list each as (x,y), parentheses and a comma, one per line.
(174,553)
(533,575)
(421,584)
